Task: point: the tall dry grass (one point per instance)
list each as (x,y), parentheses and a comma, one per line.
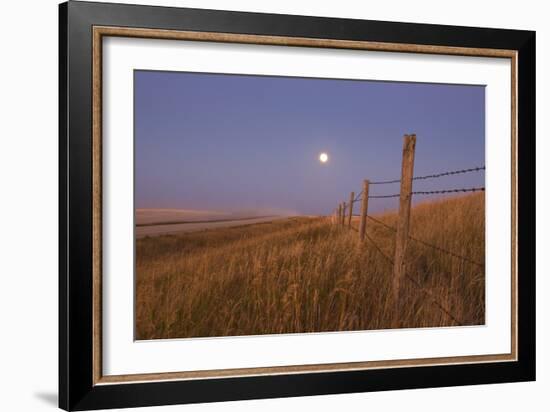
(306,275)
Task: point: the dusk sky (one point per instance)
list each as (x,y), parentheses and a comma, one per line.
(231,142)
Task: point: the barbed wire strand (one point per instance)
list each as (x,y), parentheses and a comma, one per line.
(432,176)
(433,192)
(382,223)
(416,283)
(448,173)
(423,242)
(430,192)
(433,299)
(464,258)
(390,260)
(459,190)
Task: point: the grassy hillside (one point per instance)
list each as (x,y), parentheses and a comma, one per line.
(306,275)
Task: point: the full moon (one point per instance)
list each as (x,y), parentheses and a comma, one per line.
(323,157)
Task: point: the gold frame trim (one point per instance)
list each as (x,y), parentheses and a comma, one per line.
(100,31)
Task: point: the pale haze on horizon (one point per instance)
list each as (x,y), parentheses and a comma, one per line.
(239,142)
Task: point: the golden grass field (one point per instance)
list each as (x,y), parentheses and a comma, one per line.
(305,275)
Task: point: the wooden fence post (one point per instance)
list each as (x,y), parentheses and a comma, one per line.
(364,211)
(339,215)
(343,213)
(402,235)
(351,200)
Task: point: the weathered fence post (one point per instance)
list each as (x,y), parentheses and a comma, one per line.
(339,216)
(351,200)
(343,214)
(364,211)
(402,235)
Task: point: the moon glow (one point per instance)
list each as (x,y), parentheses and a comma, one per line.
(323,157)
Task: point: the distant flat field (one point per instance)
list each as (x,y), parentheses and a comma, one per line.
(156,222)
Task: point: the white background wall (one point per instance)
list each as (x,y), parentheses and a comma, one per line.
(28,203)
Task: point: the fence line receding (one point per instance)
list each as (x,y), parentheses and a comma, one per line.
(401,231)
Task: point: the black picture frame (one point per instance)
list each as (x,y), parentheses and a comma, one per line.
(77,390)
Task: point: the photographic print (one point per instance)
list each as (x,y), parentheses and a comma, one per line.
(277,205)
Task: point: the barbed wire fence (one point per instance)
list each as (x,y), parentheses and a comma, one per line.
(401,232)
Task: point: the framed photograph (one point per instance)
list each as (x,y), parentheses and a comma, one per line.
(257,205)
